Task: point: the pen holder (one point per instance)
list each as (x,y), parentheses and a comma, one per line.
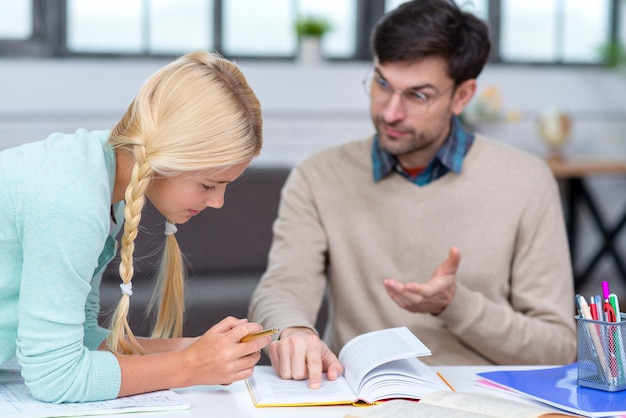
(602,354)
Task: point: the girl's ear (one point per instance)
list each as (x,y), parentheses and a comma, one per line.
(462,95)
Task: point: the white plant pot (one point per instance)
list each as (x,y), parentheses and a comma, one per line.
(310,52)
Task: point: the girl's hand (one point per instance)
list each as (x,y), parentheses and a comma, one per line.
(218,356)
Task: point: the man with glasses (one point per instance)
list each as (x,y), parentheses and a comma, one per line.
(380,224)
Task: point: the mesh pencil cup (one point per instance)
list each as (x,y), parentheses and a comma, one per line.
(602,354)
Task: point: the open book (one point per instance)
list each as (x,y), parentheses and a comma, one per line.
(378,365)
(457,405)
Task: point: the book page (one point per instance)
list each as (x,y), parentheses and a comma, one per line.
(491,405)
(457,405)
(410,409)
(368,351)
(268,389)
(17,402)
(405,378)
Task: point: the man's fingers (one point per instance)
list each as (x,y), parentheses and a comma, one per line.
(314,364)
(334,369)
(281,359)
(454,256)
(451,264)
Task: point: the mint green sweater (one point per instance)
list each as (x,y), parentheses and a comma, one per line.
(56,237)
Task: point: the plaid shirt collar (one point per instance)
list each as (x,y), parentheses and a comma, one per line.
(449,157)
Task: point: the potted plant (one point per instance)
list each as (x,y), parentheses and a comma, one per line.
(312,26)
(310,30)
(613,55)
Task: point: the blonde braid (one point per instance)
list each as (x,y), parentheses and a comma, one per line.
(122,340)
(169,292)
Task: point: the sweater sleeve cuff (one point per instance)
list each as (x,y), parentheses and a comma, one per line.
(282,329)
(107,373)
(457,311)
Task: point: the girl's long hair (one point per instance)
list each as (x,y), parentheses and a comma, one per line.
(195,114)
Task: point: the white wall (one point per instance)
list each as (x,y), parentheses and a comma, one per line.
(303,109)
(307,108)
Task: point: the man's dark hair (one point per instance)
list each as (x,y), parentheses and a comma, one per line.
(433,28)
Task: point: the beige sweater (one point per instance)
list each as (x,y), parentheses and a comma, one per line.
(514,302)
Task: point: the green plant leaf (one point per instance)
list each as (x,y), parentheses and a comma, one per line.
(613,54)
(312,26)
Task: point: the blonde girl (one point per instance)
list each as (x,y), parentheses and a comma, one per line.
(194,127)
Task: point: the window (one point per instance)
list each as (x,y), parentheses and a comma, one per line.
(31,27)
(553,30)
(621,19)
(16,20)
(478,7)
(250,29)
(340,42)
(104,26)
(523,31)
(193,18)
(137,26)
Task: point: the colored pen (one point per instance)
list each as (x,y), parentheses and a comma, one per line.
(577,302)
(617,338)
(608,309)
(615,305)
(605,290)
(260,334)
(446,382)
(584,307)
(593,308)
(599,307)
(612,337)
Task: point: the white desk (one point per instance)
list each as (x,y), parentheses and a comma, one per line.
(234,401)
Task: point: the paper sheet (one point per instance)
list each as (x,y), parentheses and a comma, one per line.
(17,402)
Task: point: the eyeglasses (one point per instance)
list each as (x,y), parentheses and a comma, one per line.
(415,102)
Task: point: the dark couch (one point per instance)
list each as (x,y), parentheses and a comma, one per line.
(226,250)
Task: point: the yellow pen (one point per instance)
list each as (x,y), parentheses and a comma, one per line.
(260,334)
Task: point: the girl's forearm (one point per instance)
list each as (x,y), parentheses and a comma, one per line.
(147,373)
(164,345)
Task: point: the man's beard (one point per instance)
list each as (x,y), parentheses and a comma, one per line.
(410,141)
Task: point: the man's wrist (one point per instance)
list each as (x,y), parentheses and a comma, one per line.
(296,330)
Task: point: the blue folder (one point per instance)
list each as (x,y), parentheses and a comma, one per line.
(557,386)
